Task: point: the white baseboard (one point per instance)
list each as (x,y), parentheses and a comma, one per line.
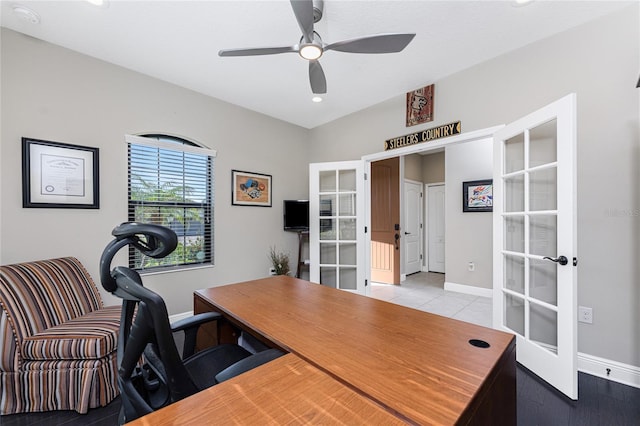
(180,316)
(403,277)
(618,372)
(468,289)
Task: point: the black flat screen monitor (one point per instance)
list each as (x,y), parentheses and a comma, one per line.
(296,215)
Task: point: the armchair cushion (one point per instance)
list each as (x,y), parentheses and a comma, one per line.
(91,336)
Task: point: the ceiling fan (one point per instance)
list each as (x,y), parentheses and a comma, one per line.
(311,47)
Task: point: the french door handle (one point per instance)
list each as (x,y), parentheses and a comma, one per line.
(561,259)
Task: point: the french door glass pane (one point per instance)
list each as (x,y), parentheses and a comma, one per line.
(348,254)
(514,273)
(514,234)
(347,204)
(543,235)
(348,278)
(327,205)
(543,144)
(347,180)
(543,326)
(327,229)
(328,253)
(514,154)
(543,281)
(542,189)
(347,229)
(328,181)
(514,313)
(514,194)
(328,276)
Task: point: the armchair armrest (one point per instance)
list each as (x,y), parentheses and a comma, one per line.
(190,327)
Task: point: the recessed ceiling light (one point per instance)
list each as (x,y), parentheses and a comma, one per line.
(26,14)
(99,3)
(316,99)
(519,3)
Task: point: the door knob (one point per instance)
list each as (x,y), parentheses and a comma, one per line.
(407,233)
(561,259)
(397,240)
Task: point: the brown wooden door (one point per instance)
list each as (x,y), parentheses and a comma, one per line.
(385,221)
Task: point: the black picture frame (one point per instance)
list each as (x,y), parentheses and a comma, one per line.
(59,175)
(251,189)
(477,196)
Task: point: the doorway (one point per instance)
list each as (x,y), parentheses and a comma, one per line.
(412,227)
(385,221)
(435,227)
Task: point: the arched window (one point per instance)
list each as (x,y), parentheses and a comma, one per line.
(171,184)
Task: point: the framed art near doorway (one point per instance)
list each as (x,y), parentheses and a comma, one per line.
(477,196)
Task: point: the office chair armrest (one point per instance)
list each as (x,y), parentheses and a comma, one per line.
(248,363)
(190,327)
(195,321)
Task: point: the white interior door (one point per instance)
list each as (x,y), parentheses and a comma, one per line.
(435,228)
(535,241)
(336,225)
(412,227)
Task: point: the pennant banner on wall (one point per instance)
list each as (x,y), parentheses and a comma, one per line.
(423,136)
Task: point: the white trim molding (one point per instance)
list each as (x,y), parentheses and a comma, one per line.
(610,370)
(468,289)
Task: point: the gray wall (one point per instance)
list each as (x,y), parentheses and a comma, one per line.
(600,62)
(413,167)
(52,93)
(433,168)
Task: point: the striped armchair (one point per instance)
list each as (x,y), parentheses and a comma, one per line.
(57,340)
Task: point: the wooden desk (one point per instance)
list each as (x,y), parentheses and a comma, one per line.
(287,390)
(417,365)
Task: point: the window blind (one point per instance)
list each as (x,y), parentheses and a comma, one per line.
(171,184)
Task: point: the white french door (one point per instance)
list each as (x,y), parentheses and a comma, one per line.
(412,227)
(435,228)
(535,291)
(336,225)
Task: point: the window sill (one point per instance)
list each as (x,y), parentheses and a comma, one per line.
(175,269)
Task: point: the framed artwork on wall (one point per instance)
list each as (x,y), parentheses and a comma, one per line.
(477,196)
(250,189)
(59,175)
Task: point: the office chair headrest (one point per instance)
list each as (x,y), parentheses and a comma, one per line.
(158,241)
(151,240)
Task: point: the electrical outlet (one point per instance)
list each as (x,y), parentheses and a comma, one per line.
(585,314)
(471,266)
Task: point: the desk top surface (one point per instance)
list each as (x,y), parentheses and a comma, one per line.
(287,390)
(419,365)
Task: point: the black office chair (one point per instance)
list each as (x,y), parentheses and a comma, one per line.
(151,372)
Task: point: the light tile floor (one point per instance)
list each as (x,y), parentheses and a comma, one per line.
(425,291)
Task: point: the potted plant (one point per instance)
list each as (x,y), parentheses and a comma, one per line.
(279,262)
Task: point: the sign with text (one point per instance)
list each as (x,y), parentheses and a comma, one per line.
(423,136)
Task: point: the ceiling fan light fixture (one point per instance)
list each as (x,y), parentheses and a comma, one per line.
(310,51)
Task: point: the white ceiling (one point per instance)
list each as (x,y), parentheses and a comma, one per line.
(178,41)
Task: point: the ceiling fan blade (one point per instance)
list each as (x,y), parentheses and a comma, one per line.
(316,78)
(379,43)
(303,9)
(257,51)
